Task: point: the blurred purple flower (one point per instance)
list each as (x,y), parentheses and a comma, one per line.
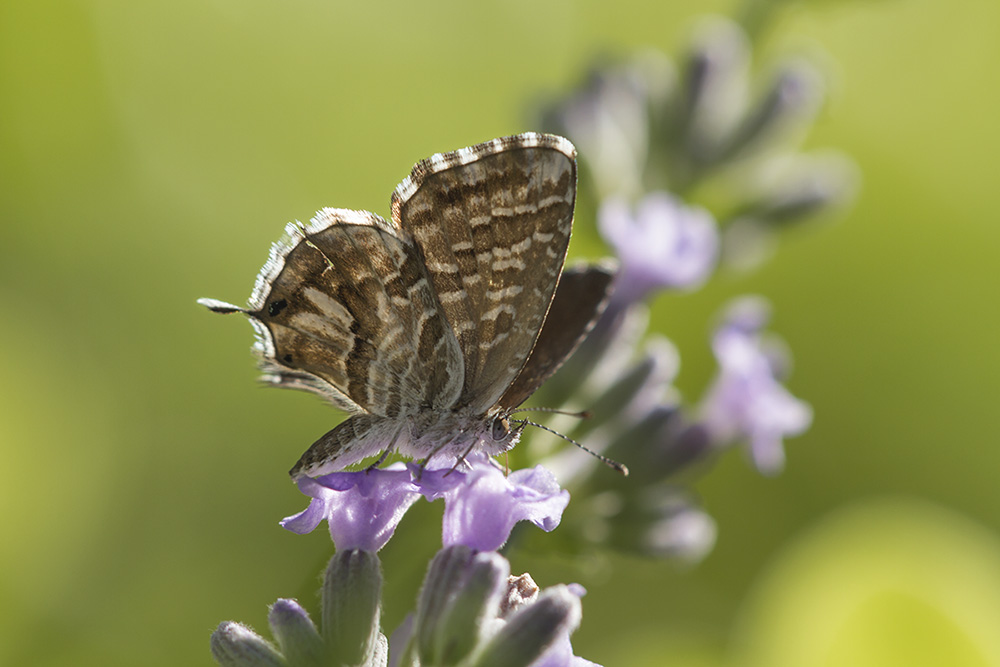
(684,531)
(481,503)
(607,120)
(661,244)
(746,401)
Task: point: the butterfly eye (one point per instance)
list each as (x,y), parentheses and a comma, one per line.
(501,429)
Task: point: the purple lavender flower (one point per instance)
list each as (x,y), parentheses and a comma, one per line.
(661,244)
(361,508)
(481,511)
(482,504)
(746,401)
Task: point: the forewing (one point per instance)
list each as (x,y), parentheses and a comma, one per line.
(579,300)
(344,308)
(493,223)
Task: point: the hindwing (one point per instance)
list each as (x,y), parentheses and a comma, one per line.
(578,302)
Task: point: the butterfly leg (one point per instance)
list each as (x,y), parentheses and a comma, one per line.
(385,454)
(461,459)
(422,466)
(438,448)
(380,461)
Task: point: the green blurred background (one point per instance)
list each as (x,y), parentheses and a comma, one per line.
(151,151)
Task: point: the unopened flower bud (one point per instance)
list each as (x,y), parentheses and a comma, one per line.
(460,597)
(296,634)
(352,593)
(236,645)
(533,629)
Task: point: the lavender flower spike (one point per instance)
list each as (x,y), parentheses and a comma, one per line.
(746,401)
(362,508)
(662,243)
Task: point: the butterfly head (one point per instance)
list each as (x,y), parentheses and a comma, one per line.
(501,430)
(501,435)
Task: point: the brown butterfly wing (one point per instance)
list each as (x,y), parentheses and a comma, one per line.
(579,300)
(493,223)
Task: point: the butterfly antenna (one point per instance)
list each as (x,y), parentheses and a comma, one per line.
(611,463)
(583,414)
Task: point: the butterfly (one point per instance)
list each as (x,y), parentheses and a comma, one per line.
(429,329)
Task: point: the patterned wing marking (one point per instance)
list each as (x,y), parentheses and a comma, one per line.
(493,223)
(349,307)
(579,301)
(351,441)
